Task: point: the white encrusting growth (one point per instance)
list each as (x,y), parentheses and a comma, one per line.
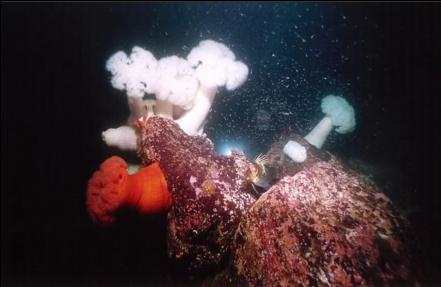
(188,86)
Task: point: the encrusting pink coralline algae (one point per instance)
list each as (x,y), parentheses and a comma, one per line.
(207,190)
(318,225)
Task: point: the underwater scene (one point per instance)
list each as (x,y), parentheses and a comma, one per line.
(220,144)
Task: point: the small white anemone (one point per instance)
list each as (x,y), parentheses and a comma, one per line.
(295,151)
(123,137)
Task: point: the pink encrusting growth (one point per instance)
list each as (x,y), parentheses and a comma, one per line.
(208,191)
(323,226)
(184,87)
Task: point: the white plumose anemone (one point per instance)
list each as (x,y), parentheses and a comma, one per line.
(184,87)
(338,113)
(215,67)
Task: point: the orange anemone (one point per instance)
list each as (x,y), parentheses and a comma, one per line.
(111,188)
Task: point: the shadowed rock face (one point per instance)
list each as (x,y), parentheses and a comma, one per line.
(207,190)
(321,225)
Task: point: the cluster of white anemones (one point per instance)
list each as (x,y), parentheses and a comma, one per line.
(184,88)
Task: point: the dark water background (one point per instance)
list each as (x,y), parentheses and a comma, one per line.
(57,99)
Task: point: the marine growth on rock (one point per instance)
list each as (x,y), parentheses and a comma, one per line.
(207,190)
(322,226)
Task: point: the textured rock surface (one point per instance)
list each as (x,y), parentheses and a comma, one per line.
(322,226)
(207,191)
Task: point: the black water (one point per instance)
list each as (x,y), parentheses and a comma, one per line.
(57,99)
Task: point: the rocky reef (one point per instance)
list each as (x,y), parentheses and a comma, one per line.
(322,226)
(207,191)
(319,224)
